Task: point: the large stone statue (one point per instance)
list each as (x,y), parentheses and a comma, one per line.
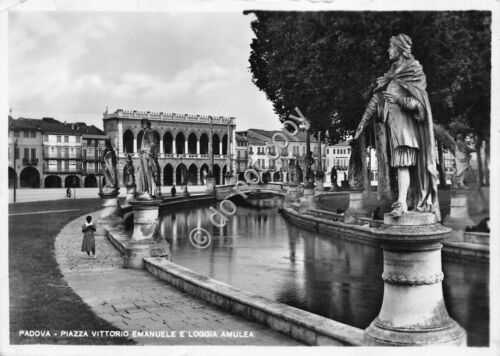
(109,168)
(129,173)
(355,166)
(147,173)
(407,115)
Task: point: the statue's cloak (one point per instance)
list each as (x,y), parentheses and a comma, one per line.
(410,76)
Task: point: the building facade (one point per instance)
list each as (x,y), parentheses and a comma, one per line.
(241,157)
(278,168)
(183,141)
(48,153)
(25,153)
(338,156)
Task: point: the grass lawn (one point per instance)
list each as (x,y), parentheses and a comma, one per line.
(39,297)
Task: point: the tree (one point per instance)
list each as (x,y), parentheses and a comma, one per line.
(326,63)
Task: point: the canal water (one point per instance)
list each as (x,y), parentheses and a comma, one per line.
(260,252)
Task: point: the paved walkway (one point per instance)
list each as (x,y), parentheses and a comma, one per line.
(137,301)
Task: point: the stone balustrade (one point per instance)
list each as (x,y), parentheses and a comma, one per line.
(134,114)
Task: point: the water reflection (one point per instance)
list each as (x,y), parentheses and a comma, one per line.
(259,252)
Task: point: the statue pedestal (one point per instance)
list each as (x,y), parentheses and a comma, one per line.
(146,238)
(292,192)
(130,195)
(356,206)
(319,188)
(211,185)
(306,202)
(158,192)
(459,217)
(413,310)
(184,191)
(110,214)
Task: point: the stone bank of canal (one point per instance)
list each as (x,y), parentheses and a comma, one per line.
(260,252)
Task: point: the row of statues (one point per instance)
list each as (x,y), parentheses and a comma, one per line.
(148,170)
(146,179)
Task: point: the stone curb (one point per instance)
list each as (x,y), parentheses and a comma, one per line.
(474,251)
(298,324)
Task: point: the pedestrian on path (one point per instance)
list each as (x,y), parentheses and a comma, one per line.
(173,191)
(88,243)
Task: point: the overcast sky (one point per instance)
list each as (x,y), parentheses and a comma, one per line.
(71,66)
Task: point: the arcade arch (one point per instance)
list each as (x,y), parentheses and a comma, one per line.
(52,181)
(180,143)
(90,181)
(168,174)
(193,174)
(12,177)
(224,144)
(72,181)
(215,144)
(204,144)
(168,143)
(29,178)
(178,173)
(192,140)
(128,142)
(216,173)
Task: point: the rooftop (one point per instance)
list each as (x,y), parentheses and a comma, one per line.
(260,137)
(51,125)
(341,144)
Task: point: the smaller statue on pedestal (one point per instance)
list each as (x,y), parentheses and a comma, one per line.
(308,162)
(292,171)
(462,153)
(183,175)
(462,161)
(355,167)
(129,173)
(109,169)
(299,176)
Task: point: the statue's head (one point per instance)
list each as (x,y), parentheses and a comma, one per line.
(145,123)
(400,45)
(129,158)
(107,143)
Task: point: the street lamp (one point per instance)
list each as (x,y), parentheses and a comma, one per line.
(15,170)
(74,187)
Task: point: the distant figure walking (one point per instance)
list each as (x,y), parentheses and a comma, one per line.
(88,243)
(173,190)
(68,192)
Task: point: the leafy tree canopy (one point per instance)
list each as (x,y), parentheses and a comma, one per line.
(326,63)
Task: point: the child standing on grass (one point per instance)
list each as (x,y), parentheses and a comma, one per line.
(88,243)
